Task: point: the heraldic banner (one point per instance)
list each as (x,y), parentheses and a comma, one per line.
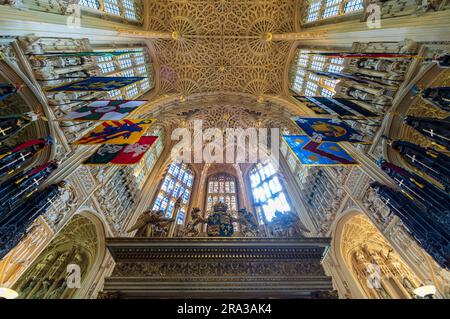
(104,110)
(7,89)
(122,154)
(329,130)
(337,107)
(97,84)
(116,132)
(312,153)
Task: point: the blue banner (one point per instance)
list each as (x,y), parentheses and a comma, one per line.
(311,153)
(98,84)
(329,130)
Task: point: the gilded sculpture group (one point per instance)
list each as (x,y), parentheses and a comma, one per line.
(155,224)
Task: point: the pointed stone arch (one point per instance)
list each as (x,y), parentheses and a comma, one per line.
(82,242)
(359,253)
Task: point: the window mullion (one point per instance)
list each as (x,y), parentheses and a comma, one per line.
(322,9)
(342,7)
(121,8)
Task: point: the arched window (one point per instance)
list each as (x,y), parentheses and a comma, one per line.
(304,79)
(222,188)
(136,63)
(142,170)
(177,182)
(323,9)
(126,9)
(268,192)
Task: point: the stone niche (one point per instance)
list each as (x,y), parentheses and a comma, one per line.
(217,268)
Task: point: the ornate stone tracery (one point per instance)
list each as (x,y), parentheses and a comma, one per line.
(21,257)
(221,46)
(77,243)
(367,254)
(204,50)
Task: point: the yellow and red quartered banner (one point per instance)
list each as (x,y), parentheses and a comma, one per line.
(122,154)
(117,132)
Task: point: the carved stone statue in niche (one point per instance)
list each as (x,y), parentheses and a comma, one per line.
(364,96)
(18,4)
(57,292)
(46,284)
(66,202)
(397,67)
(375,206)
(49,73)
(427,5)
(286,225)
(30,285)
(151,224)
(56,62)
(380,100)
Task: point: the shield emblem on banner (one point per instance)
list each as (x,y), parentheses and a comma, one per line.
(219,225)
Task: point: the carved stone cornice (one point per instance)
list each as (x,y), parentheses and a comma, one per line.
(216,248)
(205,267)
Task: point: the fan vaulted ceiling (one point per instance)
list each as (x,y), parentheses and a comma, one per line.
(222,45)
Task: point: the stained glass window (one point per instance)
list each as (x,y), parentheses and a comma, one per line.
(135,63)
(145,166)
(268,192)
(177,183)
(313,10)
(222,187)
(306,81)
(127,9)
(323,9)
